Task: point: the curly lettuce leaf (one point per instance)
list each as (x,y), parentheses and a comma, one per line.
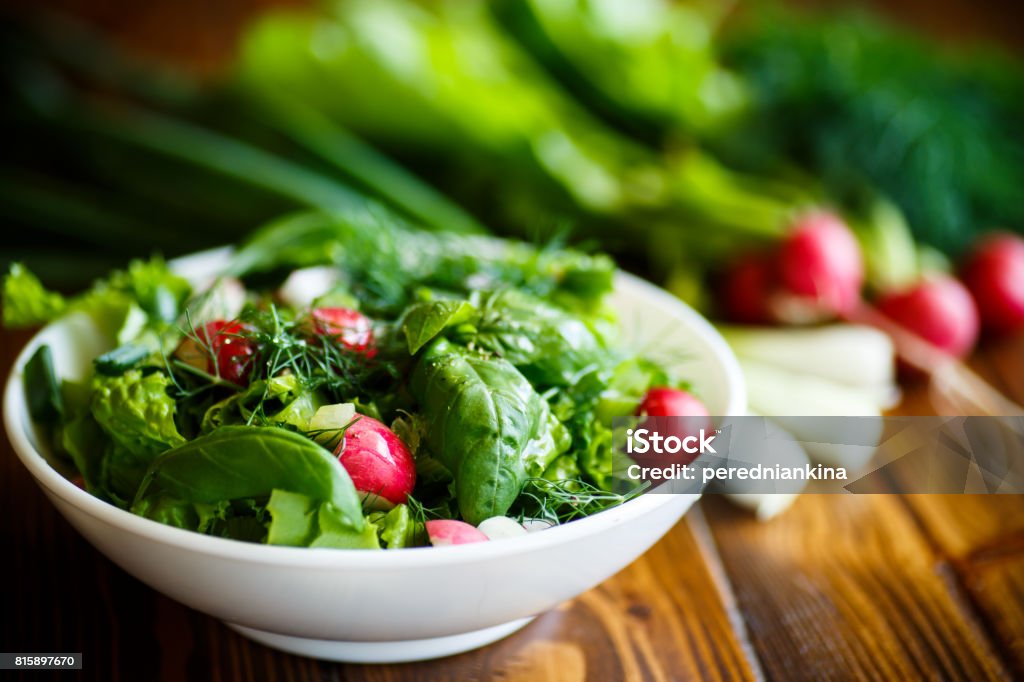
(145,295)
(26,301)
(137,415)
(278,401)
(136,411)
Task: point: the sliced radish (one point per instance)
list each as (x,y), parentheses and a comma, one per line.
(671,402)
(447,532)
(305,285)
(674,402)
(349,328)
(220,349)
(501,527)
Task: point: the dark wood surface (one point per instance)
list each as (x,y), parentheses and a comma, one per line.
(838,587)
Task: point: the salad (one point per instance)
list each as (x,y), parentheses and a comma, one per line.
(349,382)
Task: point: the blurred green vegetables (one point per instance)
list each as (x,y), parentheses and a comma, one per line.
(675,135)
(859,104)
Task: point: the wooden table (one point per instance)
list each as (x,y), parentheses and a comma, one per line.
(838,587)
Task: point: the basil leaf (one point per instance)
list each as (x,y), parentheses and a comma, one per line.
(548,345)
(486,423)
(424,321)
(237,462)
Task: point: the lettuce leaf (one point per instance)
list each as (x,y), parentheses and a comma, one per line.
(398,529)
(26,302)
(148,287)
(136,413)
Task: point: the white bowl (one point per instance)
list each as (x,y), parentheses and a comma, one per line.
(383,606)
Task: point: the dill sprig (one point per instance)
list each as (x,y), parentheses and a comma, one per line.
(564,500)
(291,345)
(334,436)
(420,513)
(283,344)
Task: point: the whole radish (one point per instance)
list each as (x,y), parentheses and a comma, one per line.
(693,417)
(938,309)
(994,273)
(746,288)
(671,402)
(378,462)
(820,266)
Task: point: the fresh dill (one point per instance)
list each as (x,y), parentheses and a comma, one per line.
(562,501)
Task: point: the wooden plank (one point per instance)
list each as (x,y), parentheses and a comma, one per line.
(845,587)
(964,527)
(996,585)
(983,535)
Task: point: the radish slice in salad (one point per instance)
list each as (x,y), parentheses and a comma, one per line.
(305,285)
(350,328)
(448,532)
(671,402)
(218,349)
(501,527)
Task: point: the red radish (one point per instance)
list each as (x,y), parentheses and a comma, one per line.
(995,275)
(746,288)
(348,327)
(447,532)
(820,261)
(378,463)
(674,402)
(938,309)
(218,349)
(671,402)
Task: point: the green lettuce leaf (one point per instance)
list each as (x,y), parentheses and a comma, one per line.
(26,302)
(278,401)
(136,413)
(398,529)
